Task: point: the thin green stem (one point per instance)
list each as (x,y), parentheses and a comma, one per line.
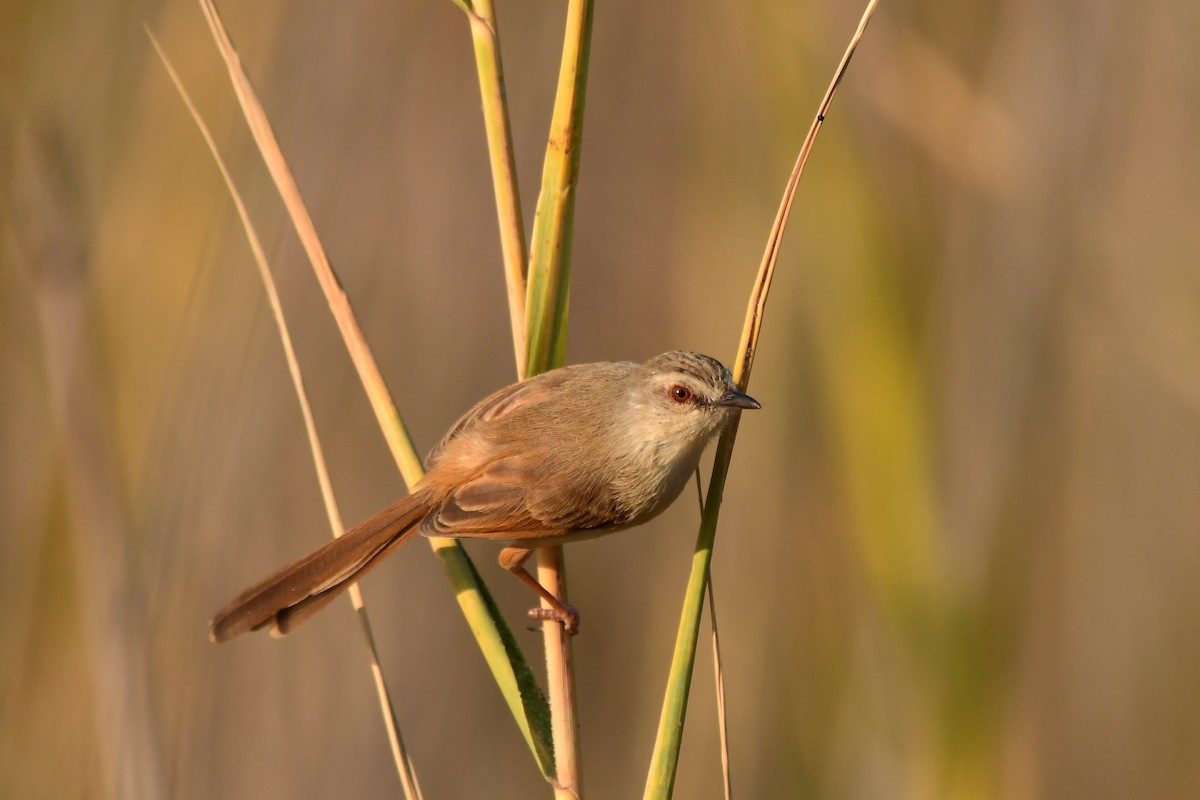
(486,38)
(550,256)
(660,782)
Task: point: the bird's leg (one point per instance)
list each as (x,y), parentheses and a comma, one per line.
(513,559)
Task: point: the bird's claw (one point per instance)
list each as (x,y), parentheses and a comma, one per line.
(567,616)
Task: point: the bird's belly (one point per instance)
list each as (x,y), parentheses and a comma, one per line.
(676,470)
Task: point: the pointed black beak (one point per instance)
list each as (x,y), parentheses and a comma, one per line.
(735,399)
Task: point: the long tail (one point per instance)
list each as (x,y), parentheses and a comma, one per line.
(299,590)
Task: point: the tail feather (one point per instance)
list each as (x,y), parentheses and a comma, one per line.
(296,592)
(286,619)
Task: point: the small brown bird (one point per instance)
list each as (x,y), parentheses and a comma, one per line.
(573,453)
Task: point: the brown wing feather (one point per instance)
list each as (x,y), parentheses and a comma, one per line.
(520,498)
(495,407)
(494,504)
(534,491)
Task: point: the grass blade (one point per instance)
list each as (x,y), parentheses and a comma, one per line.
(400,756)
(660,782)
(486,38)
(550,255)
(491,632)
(718,668)
(719,677)
(545,325)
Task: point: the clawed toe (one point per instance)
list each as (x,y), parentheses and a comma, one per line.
(568,617)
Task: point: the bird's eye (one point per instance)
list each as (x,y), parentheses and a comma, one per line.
(679,393)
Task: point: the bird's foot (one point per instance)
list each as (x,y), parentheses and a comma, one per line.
(567,616)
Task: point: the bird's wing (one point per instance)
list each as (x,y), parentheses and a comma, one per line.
(523,397)
(534,492)
(521,497)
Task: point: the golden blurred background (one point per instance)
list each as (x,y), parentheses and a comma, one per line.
(960,550)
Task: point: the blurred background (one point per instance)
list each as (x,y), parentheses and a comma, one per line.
(960,550)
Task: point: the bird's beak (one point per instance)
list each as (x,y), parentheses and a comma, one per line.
(735,399)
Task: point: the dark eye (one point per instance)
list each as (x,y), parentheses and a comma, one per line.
(679,393)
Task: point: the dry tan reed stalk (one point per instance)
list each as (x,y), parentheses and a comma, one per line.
(400,756)
(495,640)
(546,316)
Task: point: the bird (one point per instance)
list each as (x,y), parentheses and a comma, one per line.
(573,453)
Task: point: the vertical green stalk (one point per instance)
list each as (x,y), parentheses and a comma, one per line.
(546,319)
(550,257)
(660,782)
(485,35)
